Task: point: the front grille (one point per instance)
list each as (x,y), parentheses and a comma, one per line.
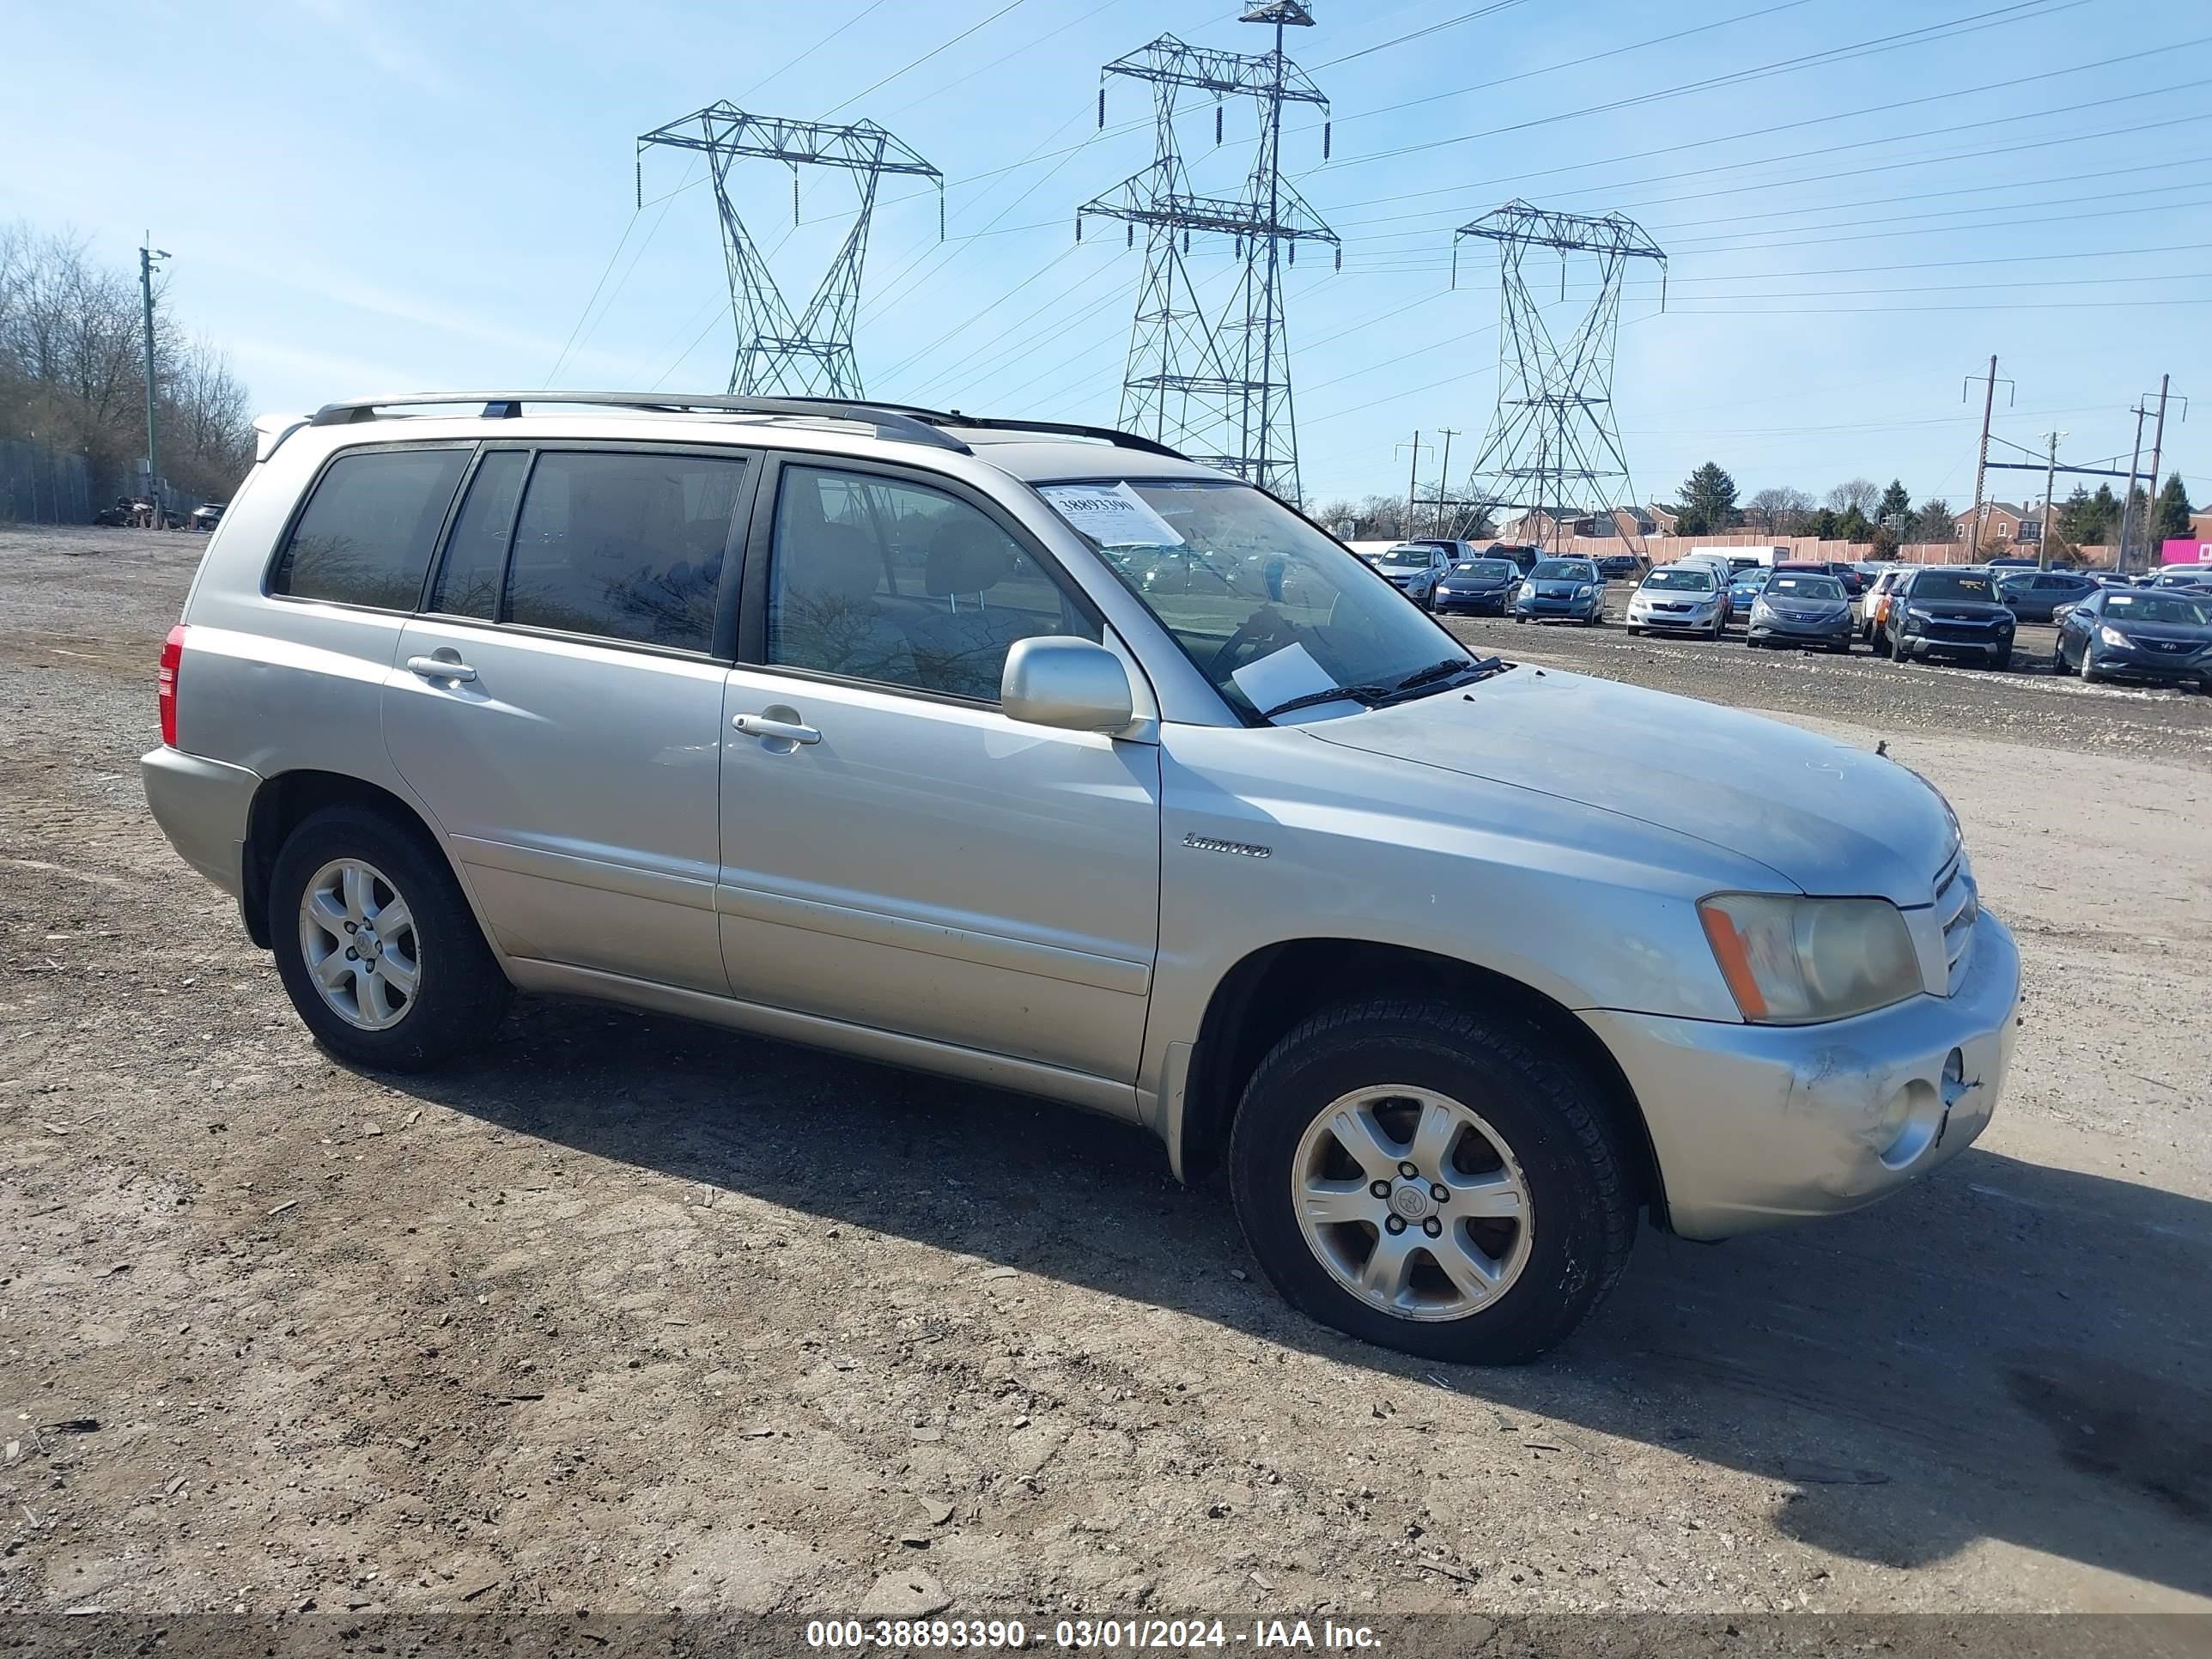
(1958,902)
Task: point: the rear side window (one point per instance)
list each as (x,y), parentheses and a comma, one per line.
(475,553)
(366,534)
(625,545)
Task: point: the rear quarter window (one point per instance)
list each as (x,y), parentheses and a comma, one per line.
(366,534)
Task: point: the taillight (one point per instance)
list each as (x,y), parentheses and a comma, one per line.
(173,654)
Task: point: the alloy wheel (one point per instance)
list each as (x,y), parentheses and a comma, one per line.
(1412,1202)
(359,942)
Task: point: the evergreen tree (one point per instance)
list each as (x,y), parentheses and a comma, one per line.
(1934,521)
(1708,502)
(1895,506)
(2170,517)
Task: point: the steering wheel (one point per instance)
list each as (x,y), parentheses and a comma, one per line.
(1265,627)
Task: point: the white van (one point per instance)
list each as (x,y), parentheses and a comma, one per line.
(1740,558)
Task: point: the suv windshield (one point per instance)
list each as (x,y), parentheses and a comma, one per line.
(1699,582)
(1406,558)
(1564,570)
(1954,585)
(1264,605)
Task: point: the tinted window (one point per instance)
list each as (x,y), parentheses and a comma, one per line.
(625,545)
(1952,584)
(366,535)
(886,580)
(475,553)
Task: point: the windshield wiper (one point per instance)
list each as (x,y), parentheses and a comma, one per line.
(1450,668)
(1368,695)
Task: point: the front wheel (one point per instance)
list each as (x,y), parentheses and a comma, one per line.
(376,946)
(1430,1180)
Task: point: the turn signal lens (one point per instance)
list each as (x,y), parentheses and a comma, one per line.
(1796,961)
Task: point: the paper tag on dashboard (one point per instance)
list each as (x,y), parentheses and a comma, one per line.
(1114,516)
(1277,677)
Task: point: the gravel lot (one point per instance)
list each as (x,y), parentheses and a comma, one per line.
(627,1313)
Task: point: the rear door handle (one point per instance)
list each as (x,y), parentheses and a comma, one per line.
(441,668)
(761,725)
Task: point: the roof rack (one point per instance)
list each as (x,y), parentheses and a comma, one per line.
(895,423)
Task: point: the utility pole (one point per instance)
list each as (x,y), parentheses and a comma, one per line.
(1443,472)
(2050,478)
(2157,449)
(147,256)
(1982,466)
(1413,483)
(2128,501)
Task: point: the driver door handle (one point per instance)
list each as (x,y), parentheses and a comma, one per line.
(760,726)
(441,668)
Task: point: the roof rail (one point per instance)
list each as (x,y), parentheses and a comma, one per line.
(1056,428)
(891,422)
(898,423)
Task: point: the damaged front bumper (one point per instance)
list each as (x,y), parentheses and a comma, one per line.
(1757,1125)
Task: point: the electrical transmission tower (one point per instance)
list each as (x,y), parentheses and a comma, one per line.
(1553,445)
(811,355)
(1217,385)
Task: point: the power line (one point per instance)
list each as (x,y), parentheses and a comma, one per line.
(909,68)
(1433,28)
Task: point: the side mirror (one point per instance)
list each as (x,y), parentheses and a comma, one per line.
(1071,684)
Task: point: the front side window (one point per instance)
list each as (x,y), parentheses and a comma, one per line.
(1264,605)
(625,545)
(366,534)
(878,578)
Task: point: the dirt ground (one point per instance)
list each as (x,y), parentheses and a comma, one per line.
(628,1314)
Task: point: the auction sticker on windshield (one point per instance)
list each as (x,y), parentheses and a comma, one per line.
(1116,517)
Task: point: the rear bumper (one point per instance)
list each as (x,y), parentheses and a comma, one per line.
(202,806)
(1758,1125)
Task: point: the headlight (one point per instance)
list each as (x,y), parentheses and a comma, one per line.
(1795,961)
(2113,637)
(1527,590)
(1584,590)
(1914,616)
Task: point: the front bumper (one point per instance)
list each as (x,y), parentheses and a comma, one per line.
(1810,633)
(1495,601)
(1758,1125)
(2135,663)
(1961,642)
(1682,622)
(202,806)
(1541,606)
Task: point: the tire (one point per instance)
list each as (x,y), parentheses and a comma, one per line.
(1900,651)
(1840,647)
(2089,675)
(1577,1209)
(2058,668)
(458,993)
(2000,658)
(1633,630)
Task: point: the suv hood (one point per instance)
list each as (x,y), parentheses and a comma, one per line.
(1826,819)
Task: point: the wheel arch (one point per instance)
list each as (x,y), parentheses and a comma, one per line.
(1276,986)
(285,801)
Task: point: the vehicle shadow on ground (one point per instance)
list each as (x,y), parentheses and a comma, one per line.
(2004,1351)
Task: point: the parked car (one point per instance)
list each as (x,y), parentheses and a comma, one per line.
(1482,586)
(1678,599)
(1561,590)
(2188,576)
(1523,555)
(1873,607)
(1853,579)
(1949,610)
(2034,595)
(1622,566)
(1413,569)
(796,717)
(1742,590)
(206,516)
(2164,638)
(1798,607)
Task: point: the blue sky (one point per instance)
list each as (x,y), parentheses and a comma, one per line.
(364,195)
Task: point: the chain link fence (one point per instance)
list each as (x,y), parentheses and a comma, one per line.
(42,485)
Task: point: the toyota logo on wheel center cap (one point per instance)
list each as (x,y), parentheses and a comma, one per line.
(1411,1202)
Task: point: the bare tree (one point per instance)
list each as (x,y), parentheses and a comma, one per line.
(1778,510)
(73,369)
(1864,494)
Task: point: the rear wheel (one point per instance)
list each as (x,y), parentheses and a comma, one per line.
(1430,1180)
(377,947)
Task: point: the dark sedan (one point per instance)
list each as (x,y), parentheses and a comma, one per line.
(2165,637)
(2036,595)
(1482,586)
(1800,608)
(1949,610)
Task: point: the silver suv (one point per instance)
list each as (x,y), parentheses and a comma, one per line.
(1044,757)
